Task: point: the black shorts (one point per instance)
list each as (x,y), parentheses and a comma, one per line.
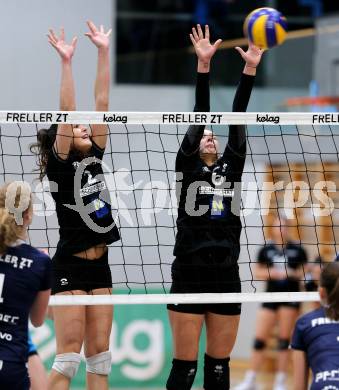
(276,305)
(74,273)
(14,376)
(210,270)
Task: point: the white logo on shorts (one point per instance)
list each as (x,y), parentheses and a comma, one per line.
(63,282)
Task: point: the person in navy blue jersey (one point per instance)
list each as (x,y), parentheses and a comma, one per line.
(207,245)
(25,285)
(71,157)
(315,340)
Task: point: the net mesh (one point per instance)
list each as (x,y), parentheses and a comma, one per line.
(291,171)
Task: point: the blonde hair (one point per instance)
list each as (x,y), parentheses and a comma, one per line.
(15,199)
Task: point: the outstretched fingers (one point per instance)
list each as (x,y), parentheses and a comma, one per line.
(95,31)
(52,43)
(240,51)
(195,34)
(207,32)
(193,40)
(200,33)
(62,34)
(217,43)
(92,27)
(255,48)
(74,42)
(52,35)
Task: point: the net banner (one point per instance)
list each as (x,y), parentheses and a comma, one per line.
(168,118)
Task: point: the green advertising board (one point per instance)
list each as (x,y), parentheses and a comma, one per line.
(141,347)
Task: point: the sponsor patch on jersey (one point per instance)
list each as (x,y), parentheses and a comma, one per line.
(218,208)
(100,208)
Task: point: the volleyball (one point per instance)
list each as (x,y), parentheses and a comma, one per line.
(265,27)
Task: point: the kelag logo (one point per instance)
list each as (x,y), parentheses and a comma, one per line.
(268,119)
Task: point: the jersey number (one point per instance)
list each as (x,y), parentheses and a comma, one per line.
(2,280)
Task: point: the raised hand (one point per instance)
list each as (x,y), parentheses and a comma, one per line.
(202,45)
(252,56)
(64,49)
(98,36)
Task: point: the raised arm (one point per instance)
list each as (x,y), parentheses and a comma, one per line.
(67,93)
(204,51)
(102,82)
(237,133)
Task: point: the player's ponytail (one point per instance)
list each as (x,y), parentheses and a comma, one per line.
(15,199)
(43,146)
(329,279)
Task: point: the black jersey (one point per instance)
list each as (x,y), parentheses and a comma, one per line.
(292,256)
(82,201)
(213,190)
(24,271)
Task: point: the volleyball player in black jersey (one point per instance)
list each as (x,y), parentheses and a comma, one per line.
(207,245)
(25,285)
(71,158)
(282,263)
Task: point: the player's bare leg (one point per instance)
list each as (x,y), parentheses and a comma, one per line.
(69,323)
(98,329)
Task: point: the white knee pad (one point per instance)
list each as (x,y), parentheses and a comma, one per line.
(100,363)
(67,364)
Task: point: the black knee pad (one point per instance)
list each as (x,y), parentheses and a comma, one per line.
(259,344)
(283,344)
(182,375)
(216,373)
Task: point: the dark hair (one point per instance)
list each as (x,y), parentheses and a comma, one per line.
(329,280)
(43,146)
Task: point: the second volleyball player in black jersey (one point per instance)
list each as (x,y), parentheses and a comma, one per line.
(286,260)
(71,157)
(282,264)
(207,243)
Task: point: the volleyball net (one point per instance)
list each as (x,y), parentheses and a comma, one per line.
(291,172)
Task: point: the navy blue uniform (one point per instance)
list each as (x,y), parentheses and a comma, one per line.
(24,271)
(318,337)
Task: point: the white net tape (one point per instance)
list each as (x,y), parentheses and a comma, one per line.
(176,118)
